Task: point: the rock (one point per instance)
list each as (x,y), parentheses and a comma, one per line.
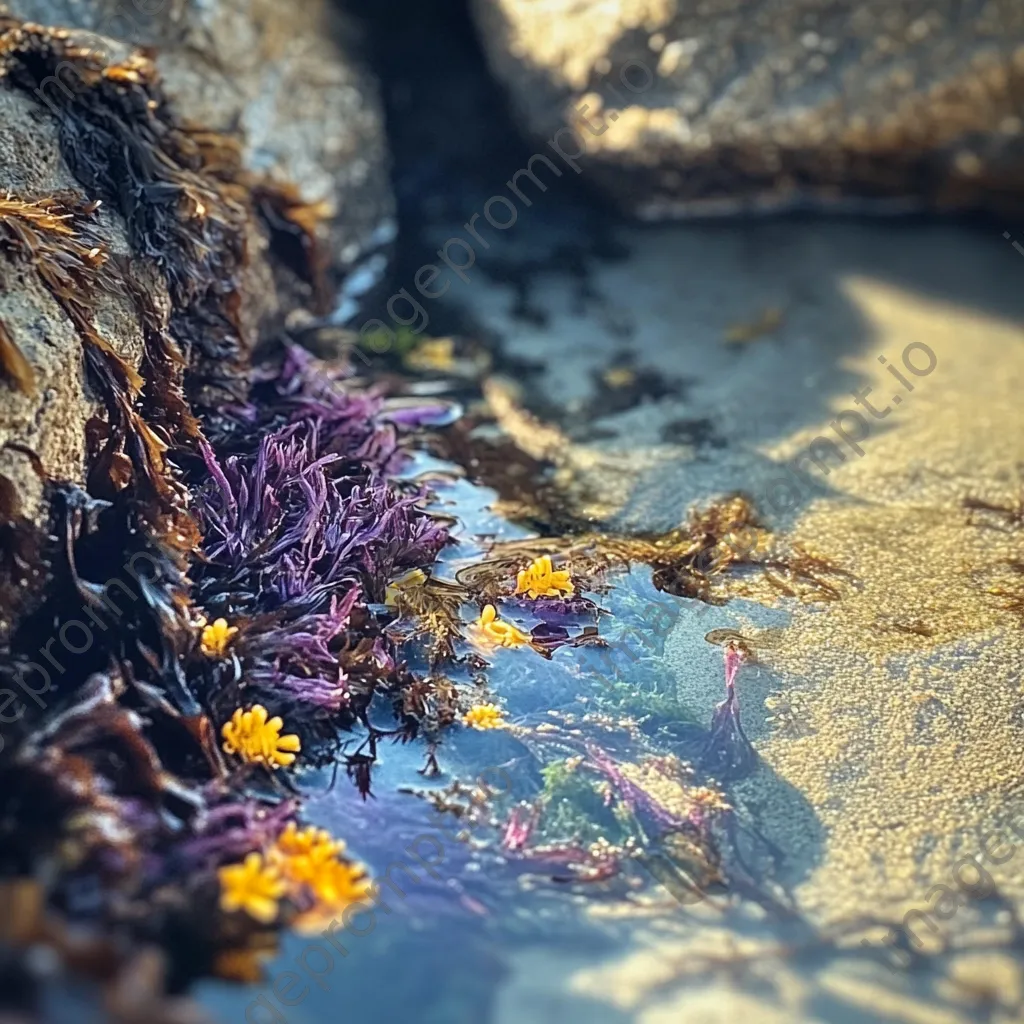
(723,106)
(44,416)
(288,79)
(151,238)
(310,164)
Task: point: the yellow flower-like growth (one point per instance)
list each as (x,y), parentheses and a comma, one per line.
(539,579)
(304,856)
(491,630)
(339,883)
(215,638)
(317,843)
(255,739)
(709,798)
(432,354)
(310,859)
(300,863)
(484,716)
(253,887)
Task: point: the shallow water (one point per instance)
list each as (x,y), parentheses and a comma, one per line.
(882,755)
(888,722)
(462,916)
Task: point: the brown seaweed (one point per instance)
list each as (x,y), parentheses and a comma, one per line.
(435,608)
(685,560)
(175,188)
(101,973)
(1010,513)
(293,224)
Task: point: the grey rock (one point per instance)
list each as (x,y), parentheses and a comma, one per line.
(288,78)
(280,79)
(701,107)
(49,419)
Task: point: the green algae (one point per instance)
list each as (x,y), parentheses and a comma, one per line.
(575,806)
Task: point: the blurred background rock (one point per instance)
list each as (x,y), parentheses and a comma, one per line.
(776,104)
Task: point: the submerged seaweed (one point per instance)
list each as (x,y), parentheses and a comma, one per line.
(609,807)
(721,539)
(727,754)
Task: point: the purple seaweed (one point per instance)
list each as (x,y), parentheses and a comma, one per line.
(637,799)
(228,831)
(294,657)
(290,523)
(728,754)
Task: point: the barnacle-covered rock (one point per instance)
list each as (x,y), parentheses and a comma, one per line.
(289,81)
(722,106)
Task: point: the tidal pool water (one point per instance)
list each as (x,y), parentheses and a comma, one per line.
(460,915)
(886,722)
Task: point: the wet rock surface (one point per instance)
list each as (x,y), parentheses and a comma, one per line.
(728,106)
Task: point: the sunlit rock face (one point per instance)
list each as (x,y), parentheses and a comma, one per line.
(45,407)
(683,109)
(288,107)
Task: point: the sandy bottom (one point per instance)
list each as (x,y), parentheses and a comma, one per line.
(890,722)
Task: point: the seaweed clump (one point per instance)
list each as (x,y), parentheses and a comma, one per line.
(724,538)
(277,641)
(304,527)
(58,238)
(178,189)
(116,793)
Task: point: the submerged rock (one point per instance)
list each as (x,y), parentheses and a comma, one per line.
(723,106)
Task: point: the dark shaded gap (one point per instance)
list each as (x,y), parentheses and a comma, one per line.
(454,144)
